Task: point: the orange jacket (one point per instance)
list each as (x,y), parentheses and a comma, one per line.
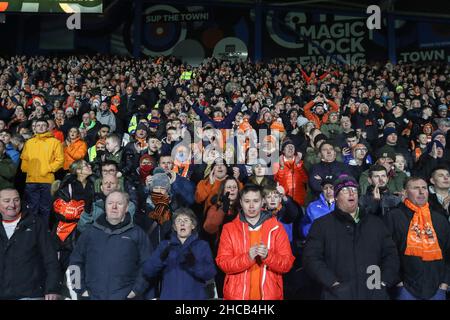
(314,117)
(58,135)
(234,260)
(293,178)
(205,191)
(75,151)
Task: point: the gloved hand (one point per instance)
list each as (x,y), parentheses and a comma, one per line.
(165,253)
(226,202)
(188,259)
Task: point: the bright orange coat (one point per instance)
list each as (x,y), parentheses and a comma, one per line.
(314,117)
(205,191)
(294,179)
(234,260)
(74,151)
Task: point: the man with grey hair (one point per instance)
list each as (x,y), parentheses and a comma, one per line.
(113,240)
(109,184)
(443,125)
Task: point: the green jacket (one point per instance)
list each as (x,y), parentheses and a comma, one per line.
(395,183)
(311,158)
(7,172)
(331,130)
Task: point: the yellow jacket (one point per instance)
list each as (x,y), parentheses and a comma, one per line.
(42,156)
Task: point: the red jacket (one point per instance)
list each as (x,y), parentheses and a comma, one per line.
(293,178)
(234,260)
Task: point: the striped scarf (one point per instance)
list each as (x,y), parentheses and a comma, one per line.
(161,213)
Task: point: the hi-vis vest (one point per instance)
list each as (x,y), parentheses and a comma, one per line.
(92,153)
(186,75)
(132,126)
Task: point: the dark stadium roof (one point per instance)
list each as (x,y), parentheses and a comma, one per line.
(437,9)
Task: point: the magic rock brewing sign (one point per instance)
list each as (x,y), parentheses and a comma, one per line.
(344,40)
(311,41)
(53,6)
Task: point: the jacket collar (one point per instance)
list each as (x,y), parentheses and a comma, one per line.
(263,217)
(44,135)
(324,201)
(345,217)
(174,241)
(102,224)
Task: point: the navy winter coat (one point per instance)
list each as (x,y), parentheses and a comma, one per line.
(111,259)
(181,281)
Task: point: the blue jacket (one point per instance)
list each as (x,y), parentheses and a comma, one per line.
(13,153)
(314,211)
(111,259)
(183,192)
(180,281)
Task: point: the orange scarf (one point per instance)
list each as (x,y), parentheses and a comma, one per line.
(142,143)
(422,240)
(161,213)
(182,168)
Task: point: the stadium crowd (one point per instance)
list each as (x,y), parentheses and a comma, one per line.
(148,178)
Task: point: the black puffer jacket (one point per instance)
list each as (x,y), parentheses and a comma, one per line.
(338,249)
(29,265)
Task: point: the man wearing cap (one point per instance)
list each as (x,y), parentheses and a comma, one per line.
(291,174)
(393,141)
(422,237)
(385,156)
(316,110)
(344,247)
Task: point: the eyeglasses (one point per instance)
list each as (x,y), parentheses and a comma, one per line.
(182,221)
(346,190)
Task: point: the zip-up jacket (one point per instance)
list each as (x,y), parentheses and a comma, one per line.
(29,265)
(340,250)
(233,258)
